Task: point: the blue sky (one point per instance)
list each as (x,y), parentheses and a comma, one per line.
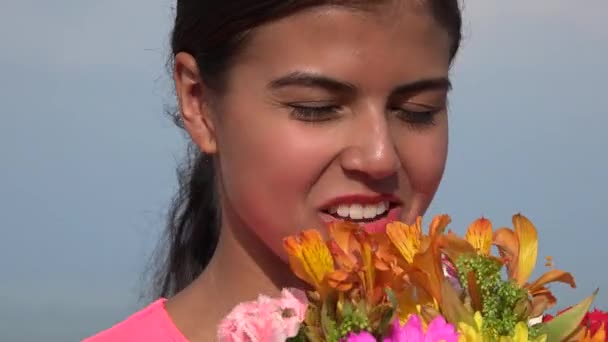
(88,156)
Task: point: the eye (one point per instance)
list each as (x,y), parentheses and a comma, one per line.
(314,113)
(419,119)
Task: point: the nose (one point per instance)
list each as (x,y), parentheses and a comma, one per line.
(370,149)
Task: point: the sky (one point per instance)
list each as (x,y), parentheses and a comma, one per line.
(89,156)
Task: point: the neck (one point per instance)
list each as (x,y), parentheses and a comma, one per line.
(241,258)
(242,268)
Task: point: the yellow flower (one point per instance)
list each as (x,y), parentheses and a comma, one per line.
(413,300)
(541,338)
(479,235)
(521,334)
(310,259)
(474,334)
(469,333)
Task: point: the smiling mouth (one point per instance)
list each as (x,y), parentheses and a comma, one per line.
(361,213)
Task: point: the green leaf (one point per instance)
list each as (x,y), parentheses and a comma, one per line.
(391,297)
(361,309)
(347,309)
(328,324)
(565,324)
(314,335)
(388,315)
(385,320)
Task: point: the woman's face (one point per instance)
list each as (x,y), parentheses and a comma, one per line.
(334,114)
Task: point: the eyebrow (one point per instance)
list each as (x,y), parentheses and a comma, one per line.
(313,80)
(439,83)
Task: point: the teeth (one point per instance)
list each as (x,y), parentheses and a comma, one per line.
(358,211)
(343,210)
(381,208)
(370,211)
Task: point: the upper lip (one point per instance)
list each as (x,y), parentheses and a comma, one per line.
(361,199)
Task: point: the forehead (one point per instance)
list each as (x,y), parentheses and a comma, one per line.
(374,47)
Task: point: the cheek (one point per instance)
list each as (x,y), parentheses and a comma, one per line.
(267,169)
(423,157)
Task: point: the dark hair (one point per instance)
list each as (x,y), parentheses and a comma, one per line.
(213,32)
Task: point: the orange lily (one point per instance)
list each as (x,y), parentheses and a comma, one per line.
(479,235)
(438,225)
(406,238)
(355,252)
(345,249)
(310,259)
(520,249)
(421,263)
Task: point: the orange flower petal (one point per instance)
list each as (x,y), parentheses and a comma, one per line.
(454,246)
(438,225)
(309,257)
(479,235)
(406,238)
(429,264)
(342,233)
(528,248)
(340,280)
(344,261)
(367,258)
(600,334)
(508,247)
(294,252)
(541,303)
(552,276)
(545,295)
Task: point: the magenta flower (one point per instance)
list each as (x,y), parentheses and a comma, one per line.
(360,337)
(412,331)
(440,330)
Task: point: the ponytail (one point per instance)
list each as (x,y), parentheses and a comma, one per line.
(193,226)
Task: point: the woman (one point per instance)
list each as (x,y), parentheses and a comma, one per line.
(301,112)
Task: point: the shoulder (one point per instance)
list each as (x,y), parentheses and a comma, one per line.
(151,324)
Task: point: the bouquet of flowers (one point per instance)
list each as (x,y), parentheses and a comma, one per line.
(402,284)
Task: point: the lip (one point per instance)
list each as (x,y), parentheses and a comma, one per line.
(361,199)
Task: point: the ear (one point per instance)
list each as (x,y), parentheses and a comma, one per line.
(194,102)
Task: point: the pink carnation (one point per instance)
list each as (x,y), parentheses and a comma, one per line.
(267,319)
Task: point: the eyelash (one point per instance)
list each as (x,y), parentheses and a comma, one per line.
(417,119)
(314,113)
(326,113)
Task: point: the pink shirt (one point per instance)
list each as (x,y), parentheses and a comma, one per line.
(152,324)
